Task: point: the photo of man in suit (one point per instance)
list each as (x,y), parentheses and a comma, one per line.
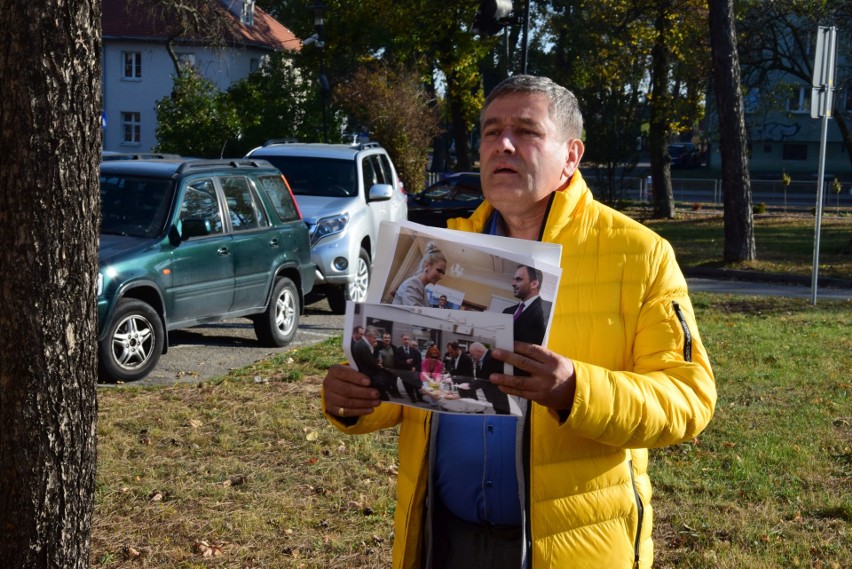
(363,352)
(532,313)
(407,361)
(483,366)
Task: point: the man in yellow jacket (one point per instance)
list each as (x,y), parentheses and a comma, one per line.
(624,370)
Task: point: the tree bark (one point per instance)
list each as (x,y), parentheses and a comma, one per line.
(50,133)
(733,146)
(658,129)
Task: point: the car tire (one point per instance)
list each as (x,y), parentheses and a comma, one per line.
(277,326)
(133,343)
(355,291)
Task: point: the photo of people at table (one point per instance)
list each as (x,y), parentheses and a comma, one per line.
(400,350)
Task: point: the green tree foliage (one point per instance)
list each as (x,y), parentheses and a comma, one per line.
(391,101)
(278,101)
(196,119)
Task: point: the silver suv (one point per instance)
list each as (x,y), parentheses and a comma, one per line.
(344,193)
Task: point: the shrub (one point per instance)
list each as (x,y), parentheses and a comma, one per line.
(759,208)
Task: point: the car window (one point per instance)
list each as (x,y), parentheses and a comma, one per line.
(200,203)
(134,206)
(307,176)
(244,211)
(368,170)
(438,192)
(387,169)
(279,195)
(467,194)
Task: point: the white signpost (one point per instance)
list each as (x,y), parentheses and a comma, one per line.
(821,102)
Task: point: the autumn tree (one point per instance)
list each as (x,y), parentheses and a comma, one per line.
(50,132)
(733,140)
(391,102)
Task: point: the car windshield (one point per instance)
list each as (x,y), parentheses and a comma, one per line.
(134,206)
(675,151)
(327,177)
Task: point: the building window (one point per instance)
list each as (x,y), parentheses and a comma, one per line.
(795,152)
(132,65)
(131,124)
(254,64)
(800,100)
(247,15)
(767,148)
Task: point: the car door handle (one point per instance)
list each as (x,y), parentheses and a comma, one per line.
(223,251)
(273,242)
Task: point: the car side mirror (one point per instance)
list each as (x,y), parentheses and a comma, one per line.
(195,228)
(380,192)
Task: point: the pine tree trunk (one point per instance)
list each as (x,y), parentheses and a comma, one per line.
(50,135)
(733,141)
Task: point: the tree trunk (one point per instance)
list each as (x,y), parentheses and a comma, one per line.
(50,133)
(658,130)
(733,142)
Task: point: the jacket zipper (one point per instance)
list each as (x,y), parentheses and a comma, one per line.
(687,335)
(640,509)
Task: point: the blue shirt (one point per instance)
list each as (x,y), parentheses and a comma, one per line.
(475,474)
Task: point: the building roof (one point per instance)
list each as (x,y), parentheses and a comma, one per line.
(131,19)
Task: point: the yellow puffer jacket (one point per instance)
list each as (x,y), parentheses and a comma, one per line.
(623,316)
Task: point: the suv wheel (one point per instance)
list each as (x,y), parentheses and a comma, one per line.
(355,291)
(277,326)
(133,343)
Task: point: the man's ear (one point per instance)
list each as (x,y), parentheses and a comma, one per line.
(575,154)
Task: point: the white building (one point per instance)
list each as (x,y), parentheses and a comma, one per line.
(138,71)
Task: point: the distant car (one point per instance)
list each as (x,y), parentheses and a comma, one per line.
(188,243)
(344,193)
(456,195)
(108,155)
(684,155)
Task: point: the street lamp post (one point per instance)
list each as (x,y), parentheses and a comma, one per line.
(319,23)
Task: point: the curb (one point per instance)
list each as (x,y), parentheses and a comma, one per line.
(754,276)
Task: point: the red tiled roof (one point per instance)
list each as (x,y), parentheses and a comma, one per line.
(127,19)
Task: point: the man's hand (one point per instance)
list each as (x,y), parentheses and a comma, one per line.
(348,392)
(551,381)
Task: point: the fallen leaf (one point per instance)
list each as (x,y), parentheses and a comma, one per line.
(195,423)
(131,552)
(235,480)
(729,445)
(155,496)
(312,436)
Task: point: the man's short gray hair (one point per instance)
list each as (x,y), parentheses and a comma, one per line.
(564,107)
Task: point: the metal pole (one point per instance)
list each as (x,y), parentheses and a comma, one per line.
(526,37)
(818,225)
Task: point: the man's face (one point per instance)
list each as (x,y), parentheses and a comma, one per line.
(358,333)
(454,351)
(522,287)
(523,156)
(476,352)
(386,339)
(371,338)
(405,340)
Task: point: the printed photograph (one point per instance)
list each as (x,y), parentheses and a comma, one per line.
(432,359)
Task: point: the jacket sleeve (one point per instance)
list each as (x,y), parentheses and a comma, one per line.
(385,415)
(669,393)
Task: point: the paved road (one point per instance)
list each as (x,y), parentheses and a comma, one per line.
(204,352)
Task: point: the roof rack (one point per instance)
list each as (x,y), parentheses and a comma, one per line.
(202,164)
(371,144)
(280,141)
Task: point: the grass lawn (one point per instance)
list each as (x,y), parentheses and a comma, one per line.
(245,472)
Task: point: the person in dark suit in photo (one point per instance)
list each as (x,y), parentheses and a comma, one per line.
(407,361)
(483,366)
(357,334)
(460,366)
(380,378)
(532,313)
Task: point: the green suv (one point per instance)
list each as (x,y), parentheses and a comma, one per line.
(190,242)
